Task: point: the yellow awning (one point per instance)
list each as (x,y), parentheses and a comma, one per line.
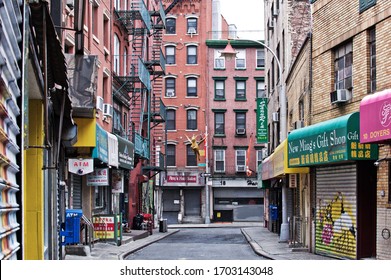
(277,163)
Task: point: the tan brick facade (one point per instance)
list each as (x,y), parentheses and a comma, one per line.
(335,23)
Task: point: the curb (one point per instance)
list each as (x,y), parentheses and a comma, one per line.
(255,246)
(122,256)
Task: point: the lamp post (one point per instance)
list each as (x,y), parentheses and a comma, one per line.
(228,53)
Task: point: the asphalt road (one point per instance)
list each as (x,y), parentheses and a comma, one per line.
(199,244)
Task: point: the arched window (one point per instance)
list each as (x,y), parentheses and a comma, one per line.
(116,54)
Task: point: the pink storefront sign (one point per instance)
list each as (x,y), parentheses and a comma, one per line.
(375,117)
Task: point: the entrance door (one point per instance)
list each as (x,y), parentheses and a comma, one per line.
(193,202)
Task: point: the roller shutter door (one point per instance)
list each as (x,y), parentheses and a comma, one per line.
(76,191)
(336,211)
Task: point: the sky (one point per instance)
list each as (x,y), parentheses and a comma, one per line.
(247,15)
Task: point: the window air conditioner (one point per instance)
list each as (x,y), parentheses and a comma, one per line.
(107,110)
(241,168)
(299,124)
(340,96)
(275,117)
(240,131)
(170,93)
(99,103)
(191,30)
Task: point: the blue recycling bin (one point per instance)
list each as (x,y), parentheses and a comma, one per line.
(72,226)
(273,212)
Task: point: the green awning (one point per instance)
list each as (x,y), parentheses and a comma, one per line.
(332,141)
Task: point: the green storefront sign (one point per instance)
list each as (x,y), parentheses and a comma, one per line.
(331,141)
(262,133)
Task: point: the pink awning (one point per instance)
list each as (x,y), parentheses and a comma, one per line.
(375,117)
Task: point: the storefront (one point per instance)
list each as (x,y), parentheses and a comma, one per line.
(375,127)
(237,200)
(345,185)
(183,197)
(275,175)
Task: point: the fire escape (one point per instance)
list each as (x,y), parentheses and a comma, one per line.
(144,83)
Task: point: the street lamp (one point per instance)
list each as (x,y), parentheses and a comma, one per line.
(230,53)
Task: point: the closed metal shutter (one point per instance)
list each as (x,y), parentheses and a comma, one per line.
(336,211)
(76,191)
(192,202)
(171,205)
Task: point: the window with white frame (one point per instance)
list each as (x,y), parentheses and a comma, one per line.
(191,158)
(240,89)
(260,59)
(259,157)
(219,123)
(240,160)
(171,119)
(219,62)
(192,87)
(170,26)
(170,55)
(343,66)
(171,155)
(260,89)
(116,54)
(191,119)
(170,87)
(192,25)
(117,4)
(220,89)
(192,55)
(240,60)
(219,161)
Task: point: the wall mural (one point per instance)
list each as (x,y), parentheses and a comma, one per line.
(336,227)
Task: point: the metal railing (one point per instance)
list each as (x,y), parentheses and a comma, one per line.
(88,232)
(298,231)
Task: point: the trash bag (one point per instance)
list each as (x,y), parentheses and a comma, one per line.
(137,221)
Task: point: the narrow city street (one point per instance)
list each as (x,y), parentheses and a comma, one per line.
(199,244)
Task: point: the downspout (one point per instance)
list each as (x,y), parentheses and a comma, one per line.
(45,70)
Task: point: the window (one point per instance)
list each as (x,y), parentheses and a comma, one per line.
(191,55)
(240,89)
(219,123)
(94,15)
(260,59)
(117,119)
(116,54)
(170,26)
(240,60)
(170,87)
(240,160)
(240,123)
(171,155)
(191,159)
(191,25)
(219,163)
(220,89)
(260,89)
(100,196)
(343,66)
(372,59)
(125,62)
(259,157)
(301,110)
(366,4)
(219,62)
(117,5)
(170,54)
(191,119)
(191,87)
(106,31)
(171,119)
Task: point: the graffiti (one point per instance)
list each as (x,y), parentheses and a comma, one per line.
(336,230)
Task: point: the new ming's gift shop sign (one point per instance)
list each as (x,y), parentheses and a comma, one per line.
(375,117)
(329,142)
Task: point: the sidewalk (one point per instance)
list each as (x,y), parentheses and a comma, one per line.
(263,242)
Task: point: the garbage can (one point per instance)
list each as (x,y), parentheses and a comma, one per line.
(72,226)
(163,225)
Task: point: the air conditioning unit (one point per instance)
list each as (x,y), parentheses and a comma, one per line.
(107,110)
(70,3)
(275,117)
(271,24)
(191,30)
(241,168)
(340,96)
(240,131)
(275,12)
(99,103)
(170,93)
(299,124)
